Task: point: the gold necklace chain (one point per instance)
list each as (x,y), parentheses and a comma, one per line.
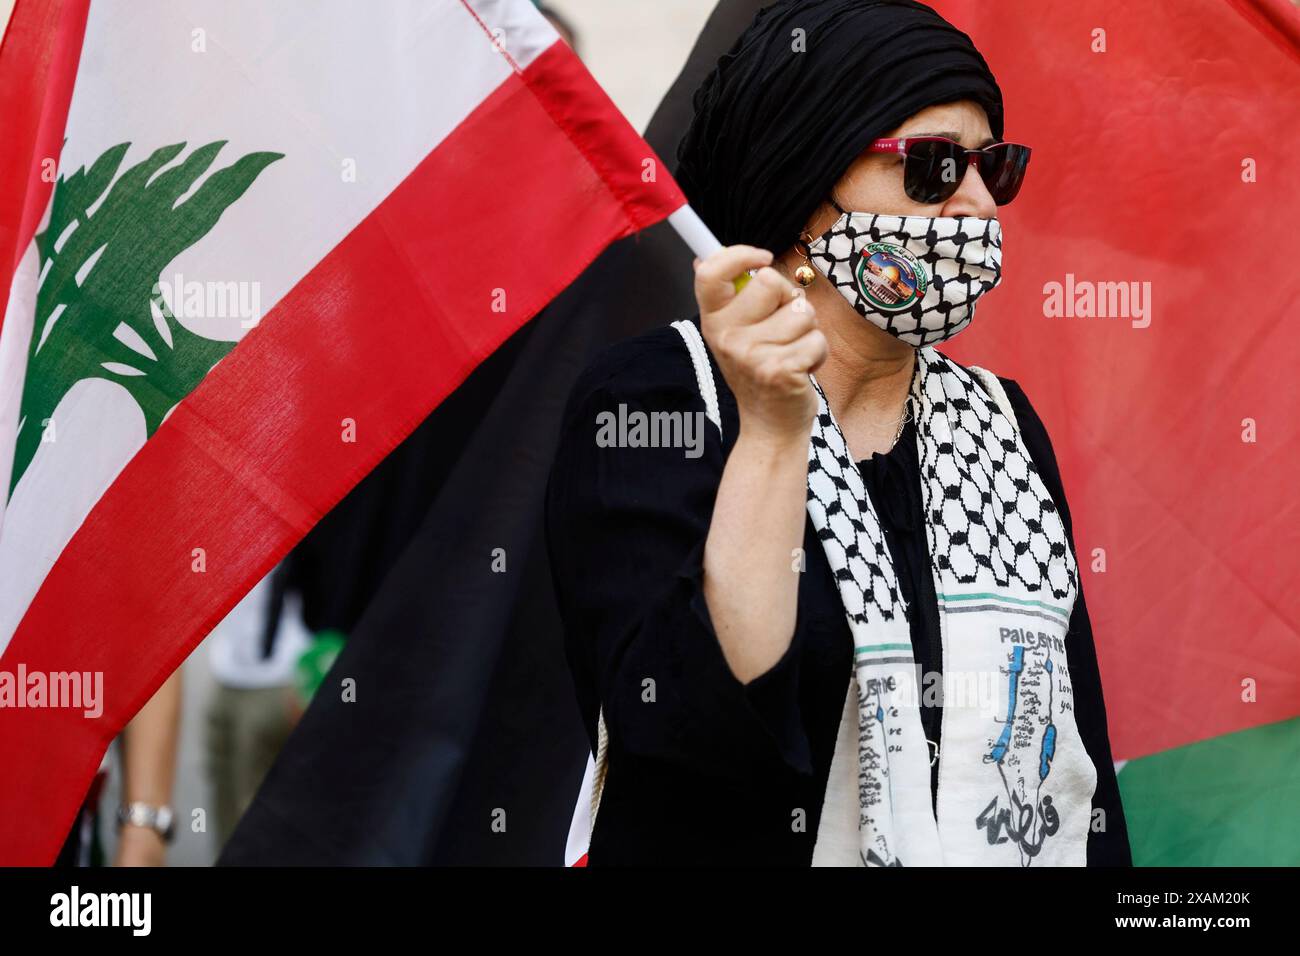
(902,421)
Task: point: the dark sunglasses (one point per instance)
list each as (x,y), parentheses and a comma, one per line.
(933,167)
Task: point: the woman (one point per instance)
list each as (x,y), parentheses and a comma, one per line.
(849,628)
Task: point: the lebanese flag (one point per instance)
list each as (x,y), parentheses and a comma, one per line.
(246,251)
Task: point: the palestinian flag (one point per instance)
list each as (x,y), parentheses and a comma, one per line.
(1165,169)
(246,250)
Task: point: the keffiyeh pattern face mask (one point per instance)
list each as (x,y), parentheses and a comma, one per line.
(915,277)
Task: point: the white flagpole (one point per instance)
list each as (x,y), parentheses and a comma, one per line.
(694,232)
(699,237)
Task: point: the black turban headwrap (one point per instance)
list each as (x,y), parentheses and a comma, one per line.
(775,129)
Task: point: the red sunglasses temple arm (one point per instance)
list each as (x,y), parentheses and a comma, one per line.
(899,144)
(888,146)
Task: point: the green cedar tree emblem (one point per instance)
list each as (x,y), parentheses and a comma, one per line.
(104,275)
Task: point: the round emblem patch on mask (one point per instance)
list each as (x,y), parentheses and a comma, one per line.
(889,277)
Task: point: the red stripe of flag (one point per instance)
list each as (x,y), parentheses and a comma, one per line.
(521,197)
(38,67)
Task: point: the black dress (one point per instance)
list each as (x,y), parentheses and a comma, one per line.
(702,768)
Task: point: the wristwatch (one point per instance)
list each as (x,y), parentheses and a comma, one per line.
(159,819)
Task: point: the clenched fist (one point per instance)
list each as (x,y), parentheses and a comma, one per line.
(765,339)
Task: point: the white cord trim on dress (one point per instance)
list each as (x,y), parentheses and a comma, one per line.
(703,371)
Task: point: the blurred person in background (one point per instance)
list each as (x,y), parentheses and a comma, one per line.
(256,651)
(145,819)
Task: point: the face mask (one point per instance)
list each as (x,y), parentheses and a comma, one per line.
(916,277)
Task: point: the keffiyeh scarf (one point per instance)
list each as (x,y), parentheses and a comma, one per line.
(1015,782)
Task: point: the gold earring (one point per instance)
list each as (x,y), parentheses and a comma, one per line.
(805,275)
